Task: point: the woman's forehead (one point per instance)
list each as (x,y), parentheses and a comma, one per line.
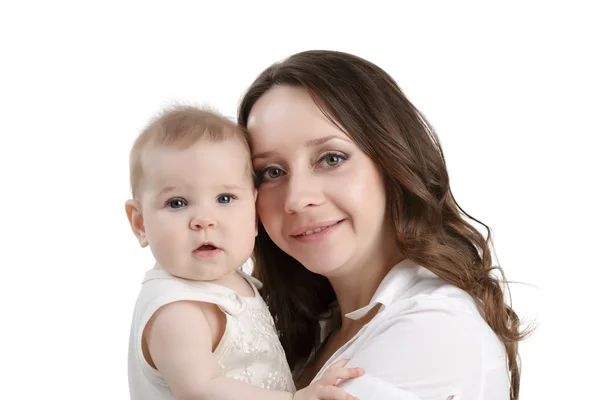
(288,113)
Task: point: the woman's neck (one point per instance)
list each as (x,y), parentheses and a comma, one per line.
(356,282)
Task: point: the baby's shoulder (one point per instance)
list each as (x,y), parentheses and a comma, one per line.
(159,288)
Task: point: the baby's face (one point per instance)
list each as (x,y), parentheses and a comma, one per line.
(198,207)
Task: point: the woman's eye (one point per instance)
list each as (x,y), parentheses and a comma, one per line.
(225,199)
(176,203)
(269,174)
(333,159)
(273,173)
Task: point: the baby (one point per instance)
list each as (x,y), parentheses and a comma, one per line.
(200,329)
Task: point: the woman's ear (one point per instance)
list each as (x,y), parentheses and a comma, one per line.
(136,220)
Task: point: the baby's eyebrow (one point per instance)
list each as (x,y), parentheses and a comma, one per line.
(232,186)
(166,190)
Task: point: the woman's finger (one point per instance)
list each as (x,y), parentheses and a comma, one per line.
(333,375)
(339,363)
(333,393)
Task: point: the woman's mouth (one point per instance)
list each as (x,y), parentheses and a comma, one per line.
(312,231)
(316,233)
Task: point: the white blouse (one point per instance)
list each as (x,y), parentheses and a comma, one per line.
(428,341)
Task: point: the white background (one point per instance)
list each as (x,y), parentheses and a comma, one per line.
(511,88)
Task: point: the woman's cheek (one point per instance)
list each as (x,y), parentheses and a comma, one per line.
(266,207)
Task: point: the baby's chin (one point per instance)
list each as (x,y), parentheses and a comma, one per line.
(207,274)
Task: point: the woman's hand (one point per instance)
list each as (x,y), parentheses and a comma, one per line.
(325,388)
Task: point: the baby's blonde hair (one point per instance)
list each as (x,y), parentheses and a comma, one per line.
(182,126)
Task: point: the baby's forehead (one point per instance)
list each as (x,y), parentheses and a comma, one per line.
(232,147)
(204,163)
(196,181)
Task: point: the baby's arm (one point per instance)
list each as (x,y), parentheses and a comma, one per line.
(180,345)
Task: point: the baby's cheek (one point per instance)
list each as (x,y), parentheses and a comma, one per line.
(162,232)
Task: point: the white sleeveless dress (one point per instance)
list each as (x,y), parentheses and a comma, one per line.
(249,350)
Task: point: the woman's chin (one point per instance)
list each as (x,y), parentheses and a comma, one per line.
(325,267)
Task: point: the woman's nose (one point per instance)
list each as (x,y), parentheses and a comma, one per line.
(303,191)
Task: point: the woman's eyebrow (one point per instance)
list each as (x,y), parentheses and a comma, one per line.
(310,143)
(264,154)
(323,140)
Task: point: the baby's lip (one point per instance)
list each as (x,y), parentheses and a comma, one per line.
(208,246)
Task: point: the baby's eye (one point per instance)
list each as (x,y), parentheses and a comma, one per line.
(176,203)
(225,198)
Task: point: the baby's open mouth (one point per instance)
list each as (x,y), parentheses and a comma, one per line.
(206,247)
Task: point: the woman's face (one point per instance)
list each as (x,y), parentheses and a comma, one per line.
(321,199)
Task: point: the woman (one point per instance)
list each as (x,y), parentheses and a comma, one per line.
(363,251)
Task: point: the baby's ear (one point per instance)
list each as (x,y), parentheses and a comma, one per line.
(136,220)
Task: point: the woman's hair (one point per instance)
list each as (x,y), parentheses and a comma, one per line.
(431,228)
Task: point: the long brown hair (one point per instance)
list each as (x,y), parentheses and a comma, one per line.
(431,228)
